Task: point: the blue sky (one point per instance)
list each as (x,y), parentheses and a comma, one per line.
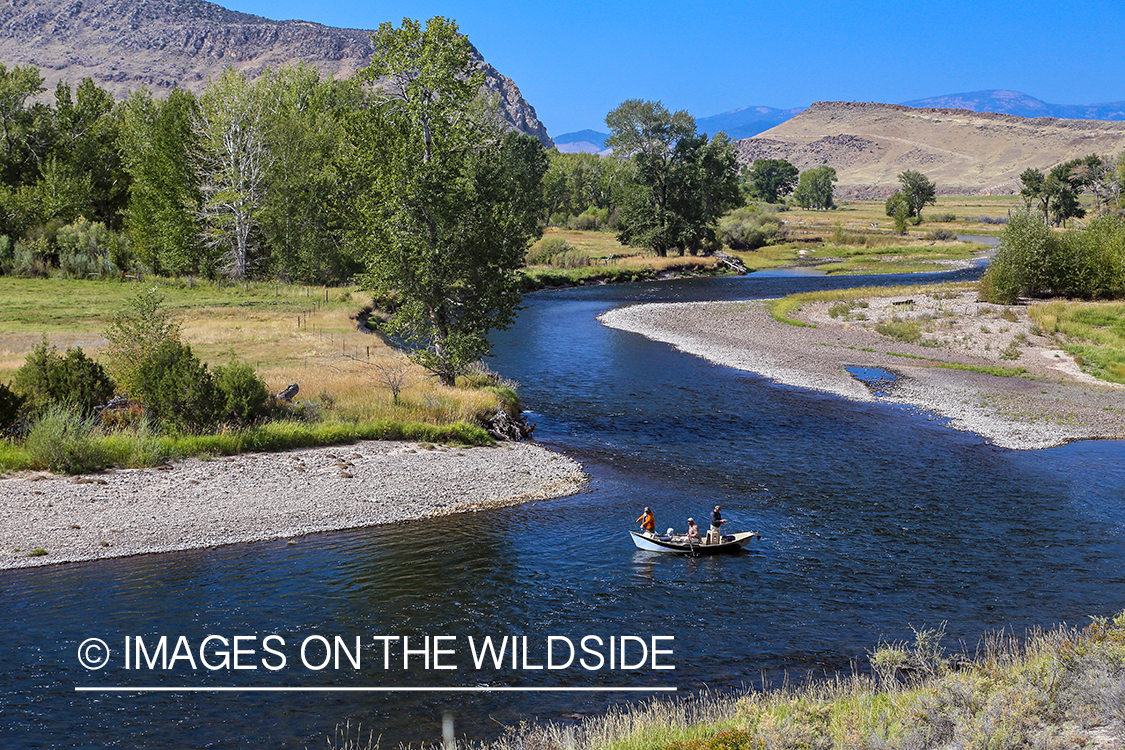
(576,61)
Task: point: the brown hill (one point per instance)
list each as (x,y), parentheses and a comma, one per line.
(126,44)
(963,152)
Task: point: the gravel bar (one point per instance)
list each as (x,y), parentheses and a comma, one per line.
(1051,404)
(254,497)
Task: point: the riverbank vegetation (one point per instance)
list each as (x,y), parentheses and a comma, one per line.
(1060,688)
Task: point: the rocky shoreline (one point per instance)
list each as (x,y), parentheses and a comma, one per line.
(1050,404)
(194,504)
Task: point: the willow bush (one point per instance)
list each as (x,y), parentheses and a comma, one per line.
(1035,261)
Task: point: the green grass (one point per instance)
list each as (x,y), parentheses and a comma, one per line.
(142,448)
(782,309)
(1092,331)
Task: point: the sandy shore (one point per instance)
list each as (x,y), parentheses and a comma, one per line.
(255,497)
(1051,404)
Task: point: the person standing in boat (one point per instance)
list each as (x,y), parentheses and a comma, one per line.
(717,521)
(648,521)
(692,530)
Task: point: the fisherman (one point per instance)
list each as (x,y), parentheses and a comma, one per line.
(715,535)
(648,521)
(692,530)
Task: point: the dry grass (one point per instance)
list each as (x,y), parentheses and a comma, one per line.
(288,334)
(1054,689)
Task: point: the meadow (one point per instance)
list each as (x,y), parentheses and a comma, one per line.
(353,384)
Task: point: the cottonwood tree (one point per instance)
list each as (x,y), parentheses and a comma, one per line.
(158,140)
(917,191)
(681,182)
(814,188)
(445,202)
(234,161)
(770,180)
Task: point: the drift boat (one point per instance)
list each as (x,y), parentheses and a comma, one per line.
(681,544)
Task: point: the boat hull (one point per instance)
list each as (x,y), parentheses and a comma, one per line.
(679,545)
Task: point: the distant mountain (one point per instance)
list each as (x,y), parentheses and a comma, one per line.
(745,122)
(582,141)
(1022,105)
(125,44)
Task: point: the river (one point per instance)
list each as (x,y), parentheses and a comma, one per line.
(875,520)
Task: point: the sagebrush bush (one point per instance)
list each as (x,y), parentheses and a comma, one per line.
(65,442)
(749,228)
(557,253)
(48,379)
(941,235)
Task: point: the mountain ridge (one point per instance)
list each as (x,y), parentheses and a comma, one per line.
(160,44)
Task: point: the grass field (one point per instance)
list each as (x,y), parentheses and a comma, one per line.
(288,334)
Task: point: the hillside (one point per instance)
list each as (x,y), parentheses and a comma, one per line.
(126,44)
(963,152)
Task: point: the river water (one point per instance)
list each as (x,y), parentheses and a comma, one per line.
(875,520)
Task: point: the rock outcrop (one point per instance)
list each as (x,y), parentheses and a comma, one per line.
(126,44)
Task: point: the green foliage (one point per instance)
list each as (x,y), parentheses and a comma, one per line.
(48,379)
(908,331)
(89,249)
(814,188)
(769,180)
(917,192)
(1037,262)
(681,182)
(243,395)
(10,403)
(750,228)
(65,442)
(158,141)
(541,253)
(575,184)
(135,333)
(179,389)
(447,202)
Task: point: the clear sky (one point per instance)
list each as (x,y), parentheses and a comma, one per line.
(575,61)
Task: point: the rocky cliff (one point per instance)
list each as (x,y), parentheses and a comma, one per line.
(963,152)
(126,44)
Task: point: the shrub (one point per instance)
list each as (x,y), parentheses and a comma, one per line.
(749,228)
(542,251)
(49,379)
(243,395)
(584,222)
(65,442)
(557,253)
(179,389)
(88,249)
(10,404)
(943,218)
(1034,261)
(134,334)
(941,235)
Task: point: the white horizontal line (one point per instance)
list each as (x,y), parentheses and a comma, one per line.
(472,689)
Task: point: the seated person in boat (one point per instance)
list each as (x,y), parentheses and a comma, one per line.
(648,521)
(692,530)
